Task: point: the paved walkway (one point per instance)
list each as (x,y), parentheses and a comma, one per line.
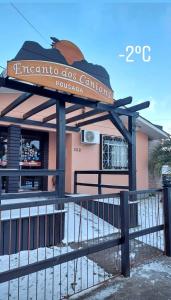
(150,281)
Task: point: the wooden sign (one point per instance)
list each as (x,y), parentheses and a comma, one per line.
(61,68)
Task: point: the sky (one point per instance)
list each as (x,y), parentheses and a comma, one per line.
(103,30)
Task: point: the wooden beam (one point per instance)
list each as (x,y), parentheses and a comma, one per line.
(73,108)
(68,110)
(125,112)
(22,98)
(84,116)
(95,120)
(35,123)
(17,85)
(140,106)
(122,102)
(116,107)
(117,122)
(39,108)
(49,118)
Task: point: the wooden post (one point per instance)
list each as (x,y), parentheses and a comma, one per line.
(0,189)
(124,214)
(99,183)
(132,169)
(75,182)
(60,147)
(167,219)
(132,153)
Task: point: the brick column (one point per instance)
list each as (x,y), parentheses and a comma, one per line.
(13,156)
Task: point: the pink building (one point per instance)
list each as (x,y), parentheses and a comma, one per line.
(105,150)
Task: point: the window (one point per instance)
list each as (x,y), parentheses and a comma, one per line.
(114,153)
(3,150)
(30,152)
(31,158)
(3,156)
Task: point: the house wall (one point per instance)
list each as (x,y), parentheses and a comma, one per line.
(142,160)
(155,181)
(87,157)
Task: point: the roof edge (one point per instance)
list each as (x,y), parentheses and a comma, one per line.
(158,130)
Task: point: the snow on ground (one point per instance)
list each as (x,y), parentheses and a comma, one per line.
(88,227)
(149,281)
(54,282)
(102,294)
(146,270)
(150,213)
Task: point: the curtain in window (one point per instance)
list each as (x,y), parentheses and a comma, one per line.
(115,153)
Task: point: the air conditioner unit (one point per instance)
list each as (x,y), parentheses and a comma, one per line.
(90,137)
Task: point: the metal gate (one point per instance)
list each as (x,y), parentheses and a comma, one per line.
(53,248)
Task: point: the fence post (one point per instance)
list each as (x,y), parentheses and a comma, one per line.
(124,217)
(99,183)
(75,182)
(0,187)
(167,219)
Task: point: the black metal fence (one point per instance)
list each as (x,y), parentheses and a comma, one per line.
(51,251)
(99,179)
(147,238)
(58,262)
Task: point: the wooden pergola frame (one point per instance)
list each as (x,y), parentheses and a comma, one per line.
(99,111)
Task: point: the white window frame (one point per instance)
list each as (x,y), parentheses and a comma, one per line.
(118,165)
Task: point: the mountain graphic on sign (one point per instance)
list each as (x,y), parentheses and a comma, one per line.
(63,52)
